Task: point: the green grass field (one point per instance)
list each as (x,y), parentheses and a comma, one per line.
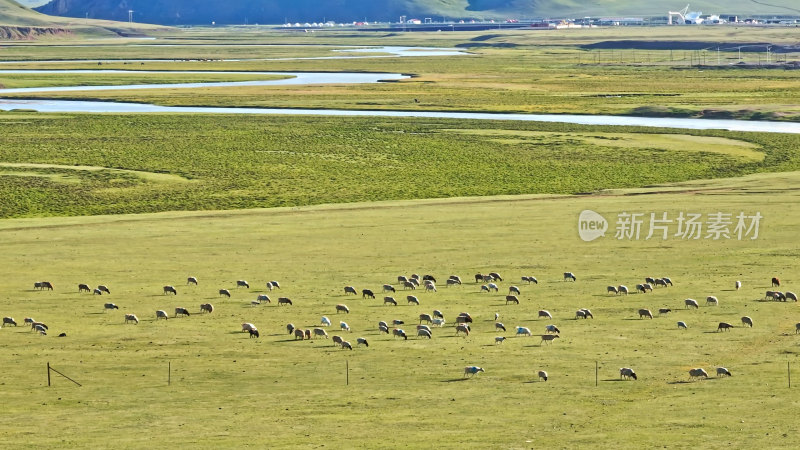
(277,392)
(137,202)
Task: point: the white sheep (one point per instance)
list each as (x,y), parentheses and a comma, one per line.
(791,296)
(627,373)
(523,331)
(161,314)
(320,332)
(424,333)
(543,375)
(682,324)
(438,322)
(552,329)
(342,308)
(325,321)
(499,339)
(697,373)
(344,326)
(472,370)
(544,313)
(247,326)
(691,302)
(131,318)
(738,284)
(622,289)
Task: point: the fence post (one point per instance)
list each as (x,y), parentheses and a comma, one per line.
(347,373)
(169,373)
(596,370)
(48,373)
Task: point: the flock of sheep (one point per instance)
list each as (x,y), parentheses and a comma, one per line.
(462,323)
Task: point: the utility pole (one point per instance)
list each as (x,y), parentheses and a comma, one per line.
(130,16)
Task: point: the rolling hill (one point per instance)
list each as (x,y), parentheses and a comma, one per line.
(173,12)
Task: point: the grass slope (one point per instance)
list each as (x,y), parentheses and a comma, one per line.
(402,392)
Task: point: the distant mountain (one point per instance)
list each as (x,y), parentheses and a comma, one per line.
(174,12)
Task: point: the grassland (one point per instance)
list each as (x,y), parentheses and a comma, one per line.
(277,392)
(227,162)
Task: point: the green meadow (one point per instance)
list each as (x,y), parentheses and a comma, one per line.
(140,201)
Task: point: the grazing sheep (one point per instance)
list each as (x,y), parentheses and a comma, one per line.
(647,287)
(524,331)
(206,307)
(552,329)
(776,282)
(640,288)
(402,279)
(667,280)
(161,314)
(346,345)
(499,339)
(191,280)
(645,313)
(530,279)
(46,285)
(342,308)
(770,295)
(389,300)
(41,330)
(308,334)
(738,284)
(779,296)
(107,306)
(284,301)
(428,278)
(263,298)
(37,325)
(325,321)
(797,328)
(273,285)
(290,328)
(588,313)
(723,371)
(612,290)
(84,287)
(253,333)
(181,311)
(462,329)
(513,290)
(452,282)
(472,370)
(438,322)
(388,287)
(512,298)
(627,373)
(131,318)
(9,321)
(747,321)
(170,290)
(650,280)
(429,286)
(247,326)
(425,318)
(496,276)
(622,289)
(383,329)
(320,332)
(713,300)
(478,277)
(544,313)
(499,326)
(455,278)
(397,322)
(543,375)
(579,314)
(485,288)
(103,288)
(496,316)
(682,325)
(724,326)
(337,340)
(691,302)
(397,332)
(298,333)
(350,290)
(569,276)
(697,373)
(410,285)
(791,296)
(28,320)
(225,292)
(344,326)
(664,310)
(548,338)
(423,327)
(412,299)
(424,333)
(464,318)
(362,340)
(491,286)
(415,282)
(367,293)
(660,282)
(437,313)
(97,292)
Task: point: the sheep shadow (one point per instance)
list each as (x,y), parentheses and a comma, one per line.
(615,380)
(454,380)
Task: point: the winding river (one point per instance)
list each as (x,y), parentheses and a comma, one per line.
(309,78)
